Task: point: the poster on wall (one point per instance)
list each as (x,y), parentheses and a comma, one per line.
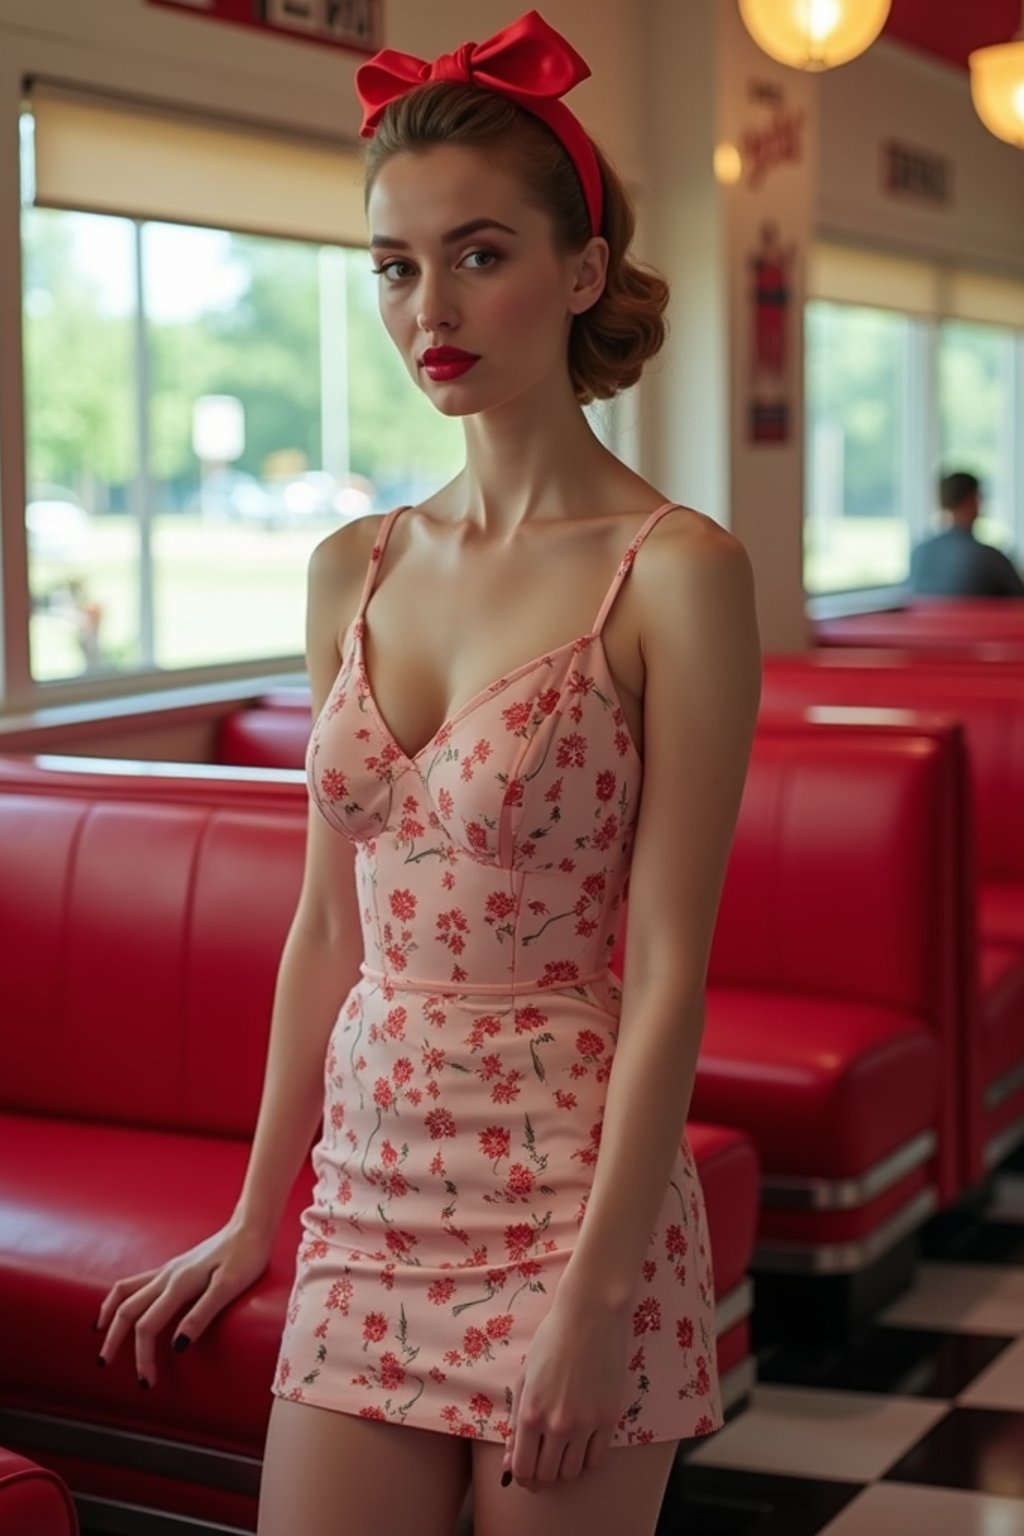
(352,24)
(770,318)
(771,142)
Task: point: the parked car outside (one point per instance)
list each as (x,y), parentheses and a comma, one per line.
(57,526)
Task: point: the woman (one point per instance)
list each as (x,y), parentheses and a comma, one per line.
(504,1274)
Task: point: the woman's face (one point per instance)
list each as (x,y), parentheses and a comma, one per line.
(464,262)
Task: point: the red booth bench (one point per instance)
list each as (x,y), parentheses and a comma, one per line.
(144,907)
(834,1002)
(989,699)
(987,628)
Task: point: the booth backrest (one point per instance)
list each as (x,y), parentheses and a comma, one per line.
(143,910)
(846,874)
(988,698)
(983,627)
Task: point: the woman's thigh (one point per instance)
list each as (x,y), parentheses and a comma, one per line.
(623,1494)
(336,1474)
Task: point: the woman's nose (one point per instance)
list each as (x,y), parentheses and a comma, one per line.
(436,309)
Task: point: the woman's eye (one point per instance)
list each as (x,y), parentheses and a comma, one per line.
(387,269)
(489,255)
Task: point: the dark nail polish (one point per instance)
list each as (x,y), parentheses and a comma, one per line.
(100,1360)
(506,1478)
(182,1342)
(143,1382)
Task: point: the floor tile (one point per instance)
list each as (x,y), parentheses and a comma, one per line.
(900,1509)
(981,1449)
(1001,1385)
(911,1362)
(853,1436)
(706,1501)
(968,1298)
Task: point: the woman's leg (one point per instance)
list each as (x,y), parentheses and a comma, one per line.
(335,1474)
(623,1494)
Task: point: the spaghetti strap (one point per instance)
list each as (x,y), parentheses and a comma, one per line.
(376,556)
(627,560)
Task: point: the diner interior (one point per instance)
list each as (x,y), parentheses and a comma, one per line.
(196,390)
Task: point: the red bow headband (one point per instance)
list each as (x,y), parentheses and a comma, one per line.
(527,61)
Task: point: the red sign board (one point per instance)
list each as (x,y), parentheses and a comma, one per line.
(354,24)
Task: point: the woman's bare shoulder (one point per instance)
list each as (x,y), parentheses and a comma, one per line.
(340,553)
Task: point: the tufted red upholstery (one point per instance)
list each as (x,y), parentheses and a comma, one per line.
(989,699)
(143,908)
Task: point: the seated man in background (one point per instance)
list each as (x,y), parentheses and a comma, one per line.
(956,564)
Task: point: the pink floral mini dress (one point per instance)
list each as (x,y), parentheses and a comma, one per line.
(466,1072)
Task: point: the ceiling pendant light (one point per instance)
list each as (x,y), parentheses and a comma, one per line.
(814,34)
(997,87)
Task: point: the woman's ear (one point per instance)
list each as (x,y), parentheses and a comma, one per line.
(590,272)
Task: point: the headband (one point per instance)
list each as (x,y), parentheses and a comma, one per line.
(528,61)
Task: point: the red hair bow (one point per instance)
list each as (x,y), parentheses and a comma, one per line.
(528,61)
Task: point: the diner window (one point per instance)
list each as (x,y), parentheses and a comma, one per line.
(204,403)
(976,428)
(856,531)
(912,369)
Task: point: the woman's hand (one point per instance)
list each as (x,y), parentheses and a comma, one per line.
(568,1398)
(215,1270)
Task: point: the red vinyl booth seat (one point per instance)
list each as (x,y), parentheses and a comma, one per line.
(34,1501)
(272,733)
(143,909)
(989,700)
(834,986)
(987,628)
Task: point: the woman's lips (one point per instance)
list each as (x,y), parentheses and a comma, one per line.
(445,368)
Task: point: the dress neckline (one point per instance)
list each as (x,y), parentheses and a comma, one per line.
(440,736)
(578,643)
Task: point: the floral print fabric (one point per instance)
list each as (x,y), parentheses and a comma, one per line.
(466,1071)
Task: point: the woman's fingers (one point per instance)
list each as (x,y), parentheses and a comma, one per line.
(573,1457)
(178,1289)
(216,1271)
(118,1291)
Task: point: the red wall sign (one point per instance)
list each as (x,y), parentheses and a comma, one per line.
(354,24)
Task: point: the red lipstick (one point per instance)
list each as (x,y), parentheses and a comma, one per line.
(442,363)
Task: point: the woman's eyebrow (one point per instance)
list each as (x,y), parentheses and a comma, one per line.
(459,233)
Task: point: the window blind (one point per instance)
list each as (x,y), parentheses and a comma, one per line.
(843,274)
(101,155)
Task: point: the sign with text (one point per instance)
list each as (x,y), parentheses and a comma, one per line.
(354,24)
(915,173)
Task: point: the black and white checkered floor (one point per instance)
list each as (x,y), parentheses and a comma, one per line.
(917,1429)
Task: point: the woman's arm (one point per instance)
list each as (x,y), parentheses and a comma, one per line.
(702,690)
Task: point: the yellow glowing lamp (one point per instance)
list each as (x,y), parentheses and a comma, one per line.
(997,88)
(814,34)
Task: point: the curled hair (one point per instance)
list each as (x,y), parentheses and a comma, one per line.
(609,342)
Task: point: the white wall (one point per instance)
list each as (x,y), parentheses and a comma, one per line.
(892,92)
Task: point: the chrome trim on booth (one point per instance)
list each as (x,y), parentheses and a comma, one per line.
(734,1306)
(116,1519)
(847,1194)
(1002,1088)
(1004,1142)
(844,1258)
(125,1448)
